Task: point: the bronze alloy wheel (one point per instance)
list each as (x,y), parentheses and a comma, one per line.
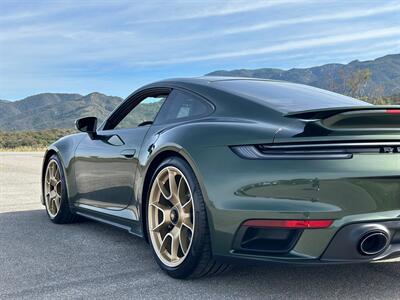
(53,188)
(171,216)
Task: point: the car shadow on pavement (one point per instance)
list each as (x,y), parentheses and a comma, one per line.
(88,259)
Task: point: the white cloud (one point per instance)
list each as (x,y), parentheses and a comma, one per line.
(287,46)
(205,9)
(41,44)
(31,10)
(345,15)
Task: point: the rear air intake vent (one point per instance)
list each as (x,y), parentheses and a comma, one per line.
(268,241)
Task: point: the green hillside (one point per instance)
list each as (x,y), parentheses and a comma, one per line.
(47,111)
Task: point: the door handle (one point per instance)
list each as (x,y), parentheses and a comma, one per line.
(128,153)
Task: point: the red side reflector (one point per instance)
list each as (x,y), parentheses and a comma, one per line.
(393,111)
(305,224)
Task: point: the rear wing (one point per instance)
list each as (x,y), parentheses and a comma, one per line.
(327,112)
(371,118)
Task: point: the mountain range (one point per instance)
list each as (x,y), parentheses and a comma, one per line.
(53,110)
(385,75)
(60,110)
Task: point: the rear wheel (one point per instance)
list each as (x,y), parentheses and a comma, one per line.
(55,193)
(177,223)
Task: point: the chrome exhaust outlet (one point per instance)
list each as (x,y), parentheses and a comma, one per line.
(373,243)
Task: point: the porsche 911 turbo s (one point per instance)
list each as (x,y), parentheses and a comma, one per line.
(211,170)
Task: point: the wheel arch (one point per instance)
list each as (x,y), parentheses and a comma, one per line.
(162,155)
(49,153)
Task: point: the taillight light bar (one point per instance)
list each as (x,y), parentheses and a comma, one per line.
(393,111)
(291,224)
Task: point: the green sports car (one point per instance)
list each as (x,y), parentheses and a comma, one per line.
(211,170)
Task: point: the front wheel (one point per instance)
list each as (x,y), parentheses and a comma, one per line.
(177,222)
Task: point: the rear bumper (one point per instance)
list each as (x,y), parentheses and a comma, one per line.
(345,245)
(342,249)
(362,190)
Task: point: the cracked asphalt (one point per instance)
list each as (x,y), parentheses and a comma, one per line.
(41,260)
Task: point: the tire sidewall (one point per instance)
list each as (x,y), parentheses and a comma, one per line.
(64,195)
(193,257)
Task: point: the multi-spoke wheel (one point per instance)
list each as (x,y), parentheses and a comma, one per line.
(177,224)
(55,193)
(52,189)
(171,216)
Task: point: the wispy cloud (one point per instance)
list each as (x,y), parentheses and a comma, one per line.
(293,45)
(312,57)
(113,46)
(217,9)
(345,15)
(29,10)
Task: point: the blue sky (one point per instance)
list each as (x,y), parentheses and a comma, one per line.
(116,46)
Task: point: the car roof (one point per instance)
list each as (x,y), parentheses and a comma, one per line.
(282,96)
(210,79)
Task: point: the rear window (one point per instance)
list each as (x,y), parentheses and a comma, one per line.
(288,97)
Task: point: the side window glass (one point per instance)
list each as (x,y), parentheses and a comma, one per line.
(145,111)
(181,105)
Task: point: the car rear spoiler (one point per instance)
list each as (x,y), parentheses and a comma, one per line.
(372,118)
(327,112)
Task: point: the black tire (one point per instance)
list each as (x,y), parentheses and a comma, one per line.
(199,261)
(64,215)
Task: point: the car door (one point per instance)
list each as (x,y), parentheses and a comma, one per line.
(105,166)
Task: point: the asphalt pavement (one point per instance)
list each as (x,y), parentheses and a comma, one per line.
(41,260)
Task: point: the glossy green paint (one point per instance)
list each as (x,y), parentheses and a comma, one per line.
(345,190)
(363,188)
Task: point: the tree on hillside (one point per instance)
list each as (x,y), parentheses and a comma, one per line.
(357,82)
(354,84)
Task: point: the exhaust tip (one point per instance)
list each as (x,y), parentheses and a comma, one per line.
(373,243)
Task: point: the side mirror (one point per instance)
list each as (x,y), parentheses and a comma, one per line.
(88,125)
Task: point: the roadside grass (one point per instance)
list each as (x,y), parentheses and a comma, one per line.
(23,149)
(30,141)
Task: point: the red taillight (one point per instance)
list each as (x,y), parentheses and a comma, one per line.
(296,224)
(393,111)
